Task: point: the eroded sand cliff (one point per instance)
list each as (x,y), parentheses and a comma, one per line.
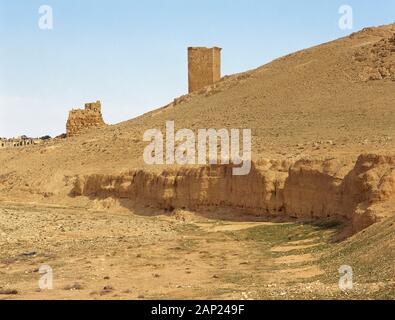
(305,189)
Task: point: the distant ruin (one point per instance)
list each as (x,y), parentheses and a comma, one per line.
(204,67)
(21,141)
(81,120)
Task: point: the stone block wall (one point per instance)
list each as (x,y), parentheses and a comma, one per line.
(204,67)
(81,120)
(18,142)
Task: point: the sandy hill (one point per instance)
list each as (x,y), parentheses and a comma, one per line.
(329,103)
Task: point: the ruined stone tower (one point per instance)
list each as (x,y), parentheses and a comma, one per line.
(82,119)
(204,67)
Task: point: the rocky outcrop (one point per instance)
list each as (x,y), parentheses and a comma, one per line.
(377,62)
(305,189)
(193,188)
(81,120)
(316,190)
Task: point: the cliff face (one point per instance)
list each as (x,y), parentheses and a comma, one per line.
(306,189)
(80,120)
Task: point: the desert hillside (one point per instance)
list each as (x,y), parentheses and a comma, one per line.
(332,102)
(111,226)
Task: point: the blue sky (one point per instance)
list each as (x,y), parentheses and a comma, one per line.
(131,54)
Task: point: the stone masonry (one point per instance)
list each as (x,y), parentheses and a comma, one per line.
(82,119)
(19,142)
(204,67)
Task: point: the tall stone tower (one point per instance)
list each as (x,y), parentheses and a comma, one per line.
(204,67)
